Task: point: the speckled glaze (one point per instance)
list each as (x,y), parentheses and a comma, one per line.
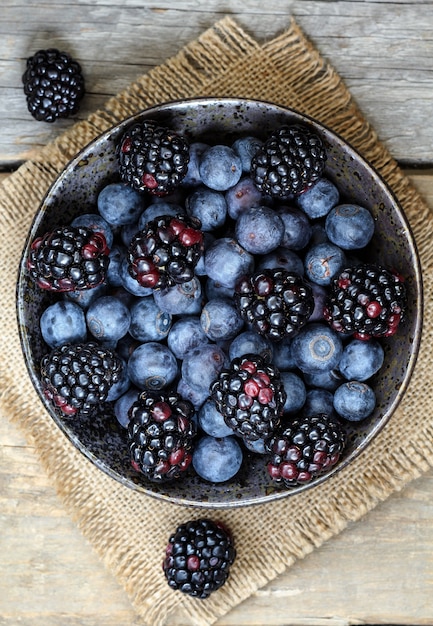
(103,441)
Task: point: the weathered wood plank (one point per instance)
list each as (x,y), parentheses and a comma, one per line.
(382,50)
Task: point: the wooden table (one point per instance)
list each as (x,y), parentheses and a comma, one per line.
(380,570)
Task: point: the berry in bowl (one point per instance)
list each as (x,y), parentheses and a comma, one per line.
(220,302)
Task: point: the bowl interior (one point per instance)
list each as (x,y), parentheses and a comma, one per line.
(103,440)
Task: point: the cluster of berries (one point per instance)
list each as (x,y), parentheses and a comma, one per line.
(214,292)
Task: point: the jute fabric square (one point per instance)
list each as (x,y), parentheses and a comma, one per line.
(128,530)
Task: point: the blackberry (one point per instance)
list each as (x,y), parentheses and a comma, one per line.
(277,303)
(198,557)
(68,258)
(250,395)
(166,251)
(53,85)
(160,435)
(366,301)
(76,378)
(290,161)
(152,158)
(308,447)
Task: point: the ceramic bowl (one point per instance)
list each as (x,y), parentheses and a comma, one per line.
(103,440)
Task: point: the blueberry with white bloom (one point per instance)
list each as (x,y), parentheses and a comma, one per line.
(63,322)
(194,395)
(220,319)
(120,387)
(84,297)
(318,401)
(120,204)
(157,209)
(282,257)
(148,322)
(209,206)
(217,459)
(152,366)
(323,262)
(250,342)
(201,366)
(296,392)
(328,379)
(211,421)
(123,404)
(214,289)
(350,226)
(361,359)
(319,199)
(185,334)
(108,319)
(130,284)
(283,358)
(257,446)
(192,177)
(243,196)
(245,148)
(96,223)
(226,261)
(297,227)
(183,299)
(220,167)
(354,401)
(317,348)
(259,230)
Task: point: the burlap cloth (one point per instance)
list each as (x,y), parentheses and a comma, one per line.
(127,529)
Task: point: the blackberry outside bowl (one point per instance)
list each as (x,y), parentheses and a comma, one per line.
(101,439)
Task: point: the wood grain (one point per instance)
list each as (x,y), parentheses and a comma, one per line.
(382,50)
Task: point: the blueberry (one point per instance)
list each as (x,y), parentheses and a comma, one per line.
(185,334)
(245,148)
(258,446)
(194,395)
(121,386)
(127,233)
(320,295)
(126,346)
(217,459)
(192,177)
(200,268)
(282,257)
(214,289)
(318,200)
(84,297)
(96,223)
(211,421)
(201,366)
(323,262)
(220,319)
(152,366)
(318,401)
(209,206)
(63,322)
(295,390)
(184,299)
(157,209)
(116,257)
(130,284)
(220,168)
(297,227)
(350,226)
(119,204)
(123,404)
(249,342)
(354,401)
(317,348)
(243,196)
(148,322)
(283,358)
(361,359)
(328,380)
(259,230)
(108,319)
(226,261)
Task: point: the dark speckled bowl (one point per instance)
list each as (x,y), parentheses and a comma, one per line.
(75,191)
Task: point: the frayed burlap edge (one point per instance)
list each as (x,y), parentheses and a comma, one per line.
(129,530)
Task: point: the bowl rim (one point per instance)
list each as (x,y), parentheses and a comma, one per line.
(274,495)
